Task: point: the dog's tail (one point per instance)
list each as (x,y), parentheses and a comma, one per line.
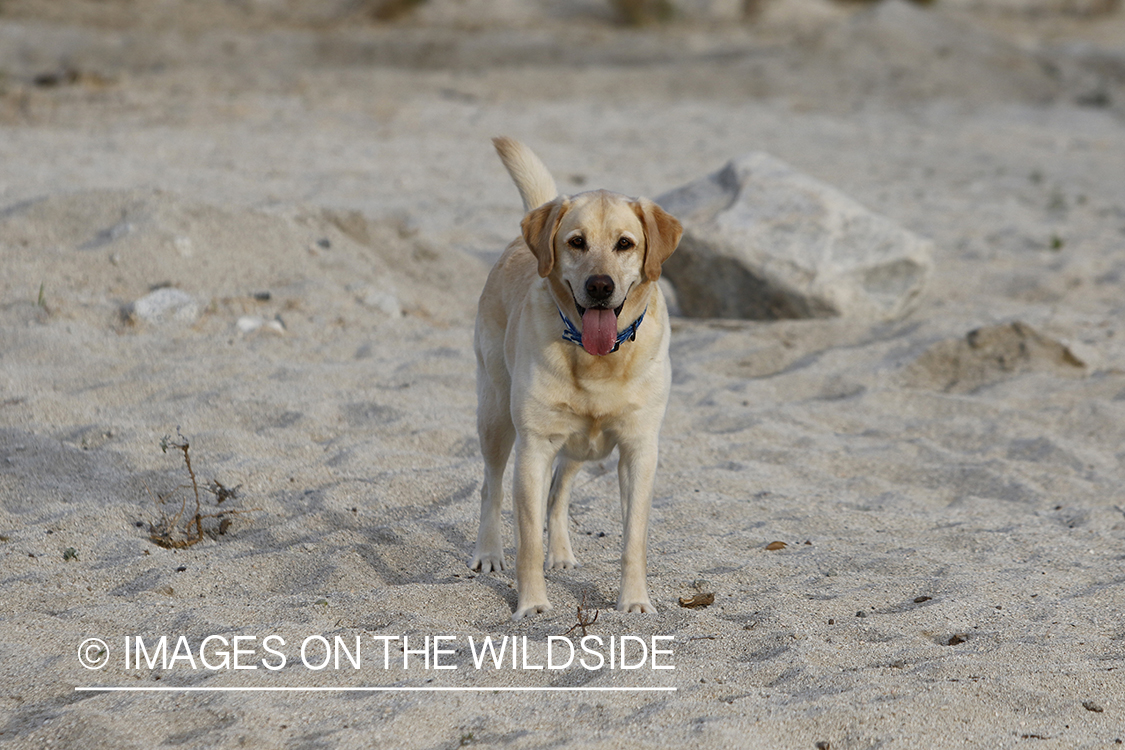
(531,176)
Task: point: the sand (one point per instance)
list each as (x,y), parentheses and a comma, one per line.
(949,487)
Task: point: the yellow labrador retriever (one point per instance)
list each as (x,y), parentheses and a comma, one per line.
(572,361)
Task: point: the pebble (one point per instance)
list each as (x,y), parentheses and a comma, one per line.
(248,324)
(384,302)
(166,305)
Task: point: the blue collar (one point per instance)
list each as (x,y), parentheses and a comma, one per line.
(574,336)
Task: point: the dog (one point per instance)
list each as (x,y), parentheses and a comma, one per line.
(572,361)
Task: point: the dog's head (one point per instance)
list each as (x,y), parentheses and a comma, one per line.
(597,248)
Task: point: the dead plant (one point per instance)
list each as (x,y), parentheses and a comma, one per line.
(583,621)
(184,528)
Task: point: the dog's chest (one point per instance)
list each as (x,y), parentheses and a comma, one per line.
(592,418)
(589,441)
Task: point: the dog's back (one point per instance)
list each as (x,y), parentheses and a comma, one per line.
(531,176)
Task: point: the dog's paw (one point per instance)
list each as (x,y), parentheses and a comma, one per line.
(487,562)
(643,606)
(527,610)
(564,560)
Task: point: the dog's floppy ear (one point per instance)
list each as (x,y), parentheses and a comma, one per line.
(662,235)
(539,229)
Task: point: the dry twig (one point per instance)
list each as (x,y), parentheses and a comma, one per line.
(583,622)
(167,533)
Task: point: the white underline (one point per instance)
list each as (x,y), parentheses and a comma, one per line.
(114,689)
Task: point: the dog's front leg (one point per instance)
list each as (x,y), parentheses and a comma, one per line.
(559,552)
(534,456)
(636,472)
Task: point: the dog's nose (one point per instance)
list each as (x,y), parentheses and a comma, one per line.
(599,287)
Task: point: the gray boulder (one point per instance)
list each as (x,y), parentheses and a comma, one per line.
(763,241)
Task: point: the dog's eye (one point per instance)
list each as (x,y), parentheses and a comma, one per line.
(577,243)
(624,243)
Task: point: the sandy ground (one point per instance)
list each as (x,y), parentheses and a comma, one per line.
(326,193)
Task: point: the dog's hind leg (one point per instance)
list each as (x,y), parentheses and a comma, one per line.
(559,552)
(497,434)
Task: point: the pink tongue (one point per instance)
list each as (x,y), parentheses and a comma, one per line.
(599,331)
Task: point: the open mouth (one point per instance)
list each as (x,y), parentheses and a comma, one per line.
(599,328)
(616,311)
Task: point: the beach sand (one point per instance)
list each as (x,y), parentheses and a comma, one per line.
(325,194)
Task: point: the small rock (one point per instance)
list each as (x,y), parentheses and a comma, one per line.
(385,302)
(109,235)
(1092,706)
(64,77)
(698,600)
(184,246)
(763,241)
(165,305)
(248,324)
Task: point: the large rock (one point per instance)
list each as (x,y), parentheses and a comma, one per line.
(763,241)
